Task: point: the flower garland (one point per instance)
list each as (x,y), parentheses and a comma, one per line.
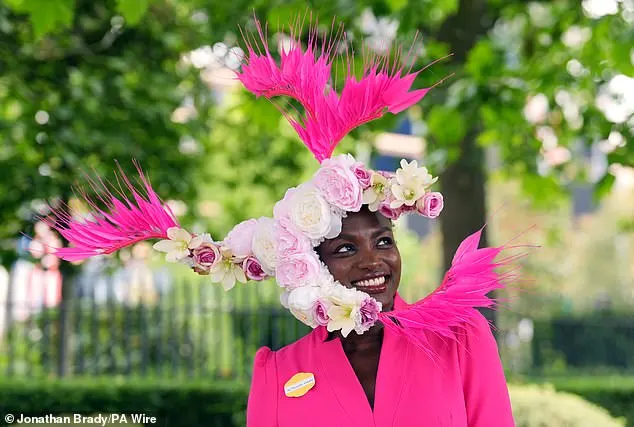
(284,246)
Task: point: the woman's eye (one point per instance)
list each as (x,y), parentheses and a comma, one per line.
(344,249)
(385,241)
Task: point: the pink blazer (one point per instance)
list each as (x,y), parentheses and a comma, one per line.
(466,387)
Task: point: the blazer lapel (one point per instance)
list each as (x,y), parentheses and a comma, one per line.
(343,382)
(391,377)
(394,364)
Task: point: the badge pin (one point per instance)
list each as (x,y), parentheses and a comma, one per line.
(299,384)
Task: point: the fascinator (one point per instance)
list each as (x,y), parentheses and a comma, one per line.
(282,246)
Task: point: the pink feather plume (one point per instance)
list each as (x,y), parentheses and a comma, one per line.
(125,222)
(453,304)
(305,76)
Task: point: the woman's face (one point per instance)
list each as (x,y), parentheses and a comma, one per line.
(365,256)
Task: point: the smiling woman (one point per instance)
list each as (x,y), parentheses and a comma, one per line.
(379,377)
(371,359)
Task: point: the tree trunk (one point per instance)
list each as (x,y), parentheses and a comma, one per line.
(463,187)
(463,181)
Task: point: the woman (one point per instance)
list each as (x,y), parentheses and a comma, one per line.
(372,360)
(378,378)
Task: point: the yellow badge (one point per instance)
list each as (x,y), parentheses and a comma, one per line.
(299,384)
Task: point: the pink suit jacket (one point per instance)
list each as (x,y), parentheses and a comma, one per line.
(464,387)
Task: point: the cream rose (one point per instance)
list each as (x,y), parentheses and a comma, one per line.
(263,245)
(311,214)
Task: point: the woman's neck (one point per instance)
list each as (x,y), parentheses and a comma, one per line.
(370,339)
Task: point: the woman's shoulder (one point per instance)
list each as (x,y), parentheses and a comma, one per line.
(265,355)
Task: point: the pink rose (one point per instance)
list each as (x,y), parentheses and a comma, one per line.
(320,313)
(363,175)
(298,270)
(253,269)
(369,311)
(290,241)
(240,238)
(394,213)
(338,184)
(205,256)
(388,212)
(430,205)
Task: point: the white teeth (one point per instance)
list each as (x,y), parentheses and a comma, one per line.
(377,281)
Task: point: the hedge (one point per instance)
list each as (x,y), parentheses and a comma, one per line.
(193,403)
(543,406)
(598,340)
(180,403)
(616,393)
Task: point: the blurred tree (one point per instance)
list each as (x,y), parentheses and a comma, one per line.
(540,83)
(79,97)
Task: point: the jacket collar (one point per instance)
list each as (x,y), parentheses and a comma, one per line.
(390,381)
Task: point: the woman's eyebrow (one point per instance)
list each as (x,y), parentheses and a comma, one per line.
(382,230)
(343,236)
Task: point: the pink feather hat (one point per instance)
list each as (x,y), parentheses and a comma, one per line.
(283,246)
(306,77)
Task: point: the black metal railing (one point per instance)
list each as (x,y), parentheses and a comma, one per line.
(194,329)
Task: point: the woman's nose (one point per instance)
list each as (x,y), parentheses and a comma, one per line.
(370,260)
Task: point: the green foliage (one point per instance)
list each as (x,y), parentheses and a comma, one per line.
(615,393)
(108,87)
(191,402)
(250,169)
(396,5)
(133,11)
(187,402)
(50,16)
(79,100)
(594,341)
(542,406)
(446,126)
(45,16)
(593,253)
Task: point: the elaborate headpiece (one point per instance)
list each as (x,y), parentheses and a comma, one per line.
(283,246)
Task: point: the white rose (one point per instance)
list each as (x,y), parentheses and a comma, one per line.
(264,245)
(303,297)
(284,298)
(301,301)
(311,214)
(340,295)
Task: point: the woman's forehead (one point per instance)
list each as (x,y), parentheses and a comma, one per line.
(364,220)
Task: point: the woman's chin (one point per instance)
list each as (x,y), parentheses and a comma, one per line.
(386,299)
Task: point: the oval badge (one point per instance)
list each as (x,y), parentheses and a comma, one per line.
(299,384)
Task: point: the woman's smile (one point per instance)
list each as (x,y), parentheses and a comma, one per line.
(373,283)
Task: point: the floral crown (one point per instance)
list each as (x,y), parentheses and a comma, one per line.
(283,246)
